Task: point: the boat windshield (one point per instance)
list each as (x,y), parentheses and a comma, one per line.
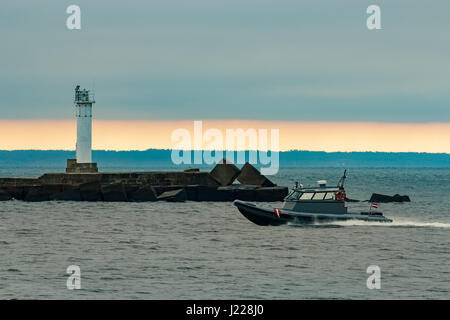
(329,196)
(311,195)
(307,196)
(294,195)
(318,196)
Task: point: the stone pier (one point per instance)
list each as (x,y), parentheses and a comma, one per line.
(83,182)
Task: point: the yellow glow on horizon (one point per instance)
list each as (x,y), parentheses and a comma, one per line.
(312,136)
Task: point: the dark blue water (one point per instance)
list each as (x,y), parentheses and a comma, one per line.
(208,250)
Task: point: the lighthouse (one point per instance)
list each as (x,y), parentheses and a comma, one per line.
(83,104)
(83,162)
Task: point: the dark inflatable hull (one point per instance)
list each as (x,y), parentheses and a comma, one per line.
(261,216)
(276,217)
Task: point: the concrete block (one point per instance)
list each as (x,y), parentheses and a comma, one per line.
(244,192)
(225,173)
(178,195)
(113,192)
(138,193)
(213,194)
(251,176)
(91,192)
(36,194)
(271,194)
(16,192)
(67,195)
(74,167)
(69,178)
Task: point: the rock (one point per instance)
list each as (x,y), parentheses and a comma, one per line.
(191,170)
(91,191)
(140,193)
(36,194)
(178,195)
(251,176)
(380,198)
(225,173)
(4,196)
(384,198)
(399,198)
(68,194)
(114,192)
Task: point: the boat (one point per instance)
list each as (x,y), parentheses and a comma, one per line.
(309,205)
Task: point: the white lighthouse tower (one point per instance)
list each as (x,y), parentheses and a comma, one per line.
(84,125)
(83,163)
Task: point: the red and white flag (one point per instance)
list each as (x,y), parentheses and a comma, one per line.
(374,205)
(277,212)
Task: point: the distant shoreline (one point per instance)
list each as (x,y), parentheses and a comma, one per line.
(162,157)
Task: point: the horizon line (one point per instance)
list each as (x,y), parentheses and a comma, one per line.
(224,151)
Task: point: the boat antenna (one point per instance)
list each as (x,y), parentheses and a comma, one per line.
(342,180)
(93,90)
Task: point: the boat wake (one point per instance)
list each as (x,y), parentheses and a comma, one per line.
(395,223)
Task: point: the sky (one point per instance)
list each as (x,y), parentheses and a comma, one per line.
(287,64)
(313,136)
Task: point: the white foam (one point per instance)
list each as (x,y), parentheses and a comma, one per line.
(395,223)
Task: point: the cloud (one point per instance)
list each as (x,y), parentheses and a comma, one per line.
(227,59)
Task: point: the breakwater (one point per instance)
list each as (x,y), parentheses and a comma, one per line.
(225,182)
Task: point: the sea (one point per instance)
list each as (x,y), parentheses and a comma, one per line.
(208,250)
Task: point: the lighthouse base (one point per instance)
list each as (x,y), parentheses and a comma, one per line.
(74,167)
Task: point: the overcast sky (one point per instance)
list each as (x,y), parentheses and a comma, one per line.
(238,59)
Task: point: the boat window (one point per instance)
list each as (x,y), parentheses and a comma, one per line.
(294,195)
(307,196)
(329,196)
(318,196)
